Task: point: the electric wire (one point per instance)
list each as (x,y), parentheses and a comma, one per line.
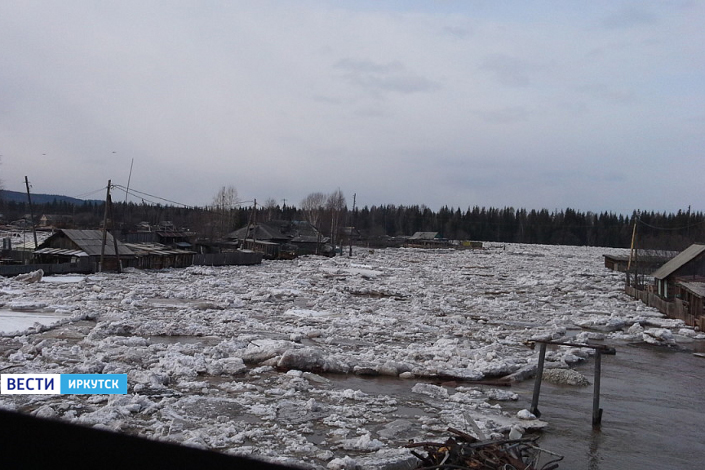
(671,228)
(142,195)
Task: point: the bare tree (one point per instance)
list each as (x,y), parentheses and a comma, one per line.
(270,208)
(313,206)
(336,205)
(223,206)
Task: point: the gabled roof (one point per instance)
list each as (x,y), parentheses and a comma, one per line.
(60,252)
(157,249)
(646,255)
(683,258)
(279,231)
(91,242)
(424,236)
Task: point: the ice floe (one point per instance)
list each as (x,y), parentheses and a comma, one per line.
(322,362)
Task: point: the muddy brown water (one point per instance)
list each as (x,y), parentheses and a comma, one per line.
(652,400)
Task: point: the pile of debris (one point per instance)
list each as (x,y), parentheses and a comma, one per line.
(464,451)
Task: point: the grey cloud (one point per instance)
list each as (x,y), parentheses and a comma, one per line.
(605,93)
(627,18)
(504,115)
(507,70)
(384,77)
(458,32)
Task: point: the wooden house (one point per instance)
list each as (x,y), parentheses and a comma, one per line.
(691,295)
(158,256)
(679,287)
(427,240)
(65,245)
(282,239)
(647,260)
(687,265)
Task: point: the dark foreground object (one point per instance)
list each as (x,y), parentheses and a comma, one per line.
(464,451)
(33,443)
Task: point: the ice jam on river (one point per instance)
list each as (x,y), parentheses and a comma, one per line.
(319,362)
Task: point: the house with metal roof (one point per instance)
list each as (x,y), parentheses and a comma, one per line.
(67,244)
(282,239)
(648,260)
(679,287)
(426,240)
(158,256)
(688,265)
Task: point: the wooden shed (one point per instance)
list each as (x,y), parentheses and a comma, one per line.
(158,256)
(648,260)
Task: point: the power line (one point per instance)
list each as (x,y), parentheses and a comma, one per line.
(670,228)
(84,195)
(140,194)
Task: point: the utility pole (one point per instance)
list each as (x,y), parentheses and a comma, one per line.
(115,243)
(31,212)
(633,255)
(254,221)
(352,226)
(688,224)
(105,229)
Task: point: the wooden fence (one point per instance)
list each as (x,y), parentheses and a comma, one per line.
(84,267)
(241,258)
(672,309)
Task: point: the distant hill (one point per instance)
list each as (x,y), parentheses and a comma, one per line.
(16,196)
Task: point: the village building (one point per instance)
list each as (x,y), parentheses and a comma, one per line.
(68,246)
(427,240)
(647,260)
(158,256)
(163,234)
(281,239)
(55,221)
(679,287)
(689,265)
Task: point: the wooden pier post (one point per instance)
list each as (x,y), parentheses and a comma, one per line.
(596,410)
(599,351)
(537,384)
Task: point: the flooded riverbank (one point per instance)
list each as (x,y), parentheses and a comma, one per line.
(318,361)
(651,397)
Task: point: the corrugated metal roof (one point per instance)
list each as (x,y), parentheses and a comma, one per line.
(276,230)
(60,252)
(697,288)
(424,236)
(679,261)
(91,241)
(650,255)
(164,233)
(158,249)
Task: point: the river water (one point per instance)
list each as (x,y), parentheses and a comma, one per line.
(653,416)
(651,396)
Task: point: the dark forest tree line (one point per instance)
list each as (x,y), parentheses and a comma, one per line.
(559,227)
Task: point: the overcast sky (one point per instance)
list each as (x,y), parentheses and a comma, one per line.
(594,105)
